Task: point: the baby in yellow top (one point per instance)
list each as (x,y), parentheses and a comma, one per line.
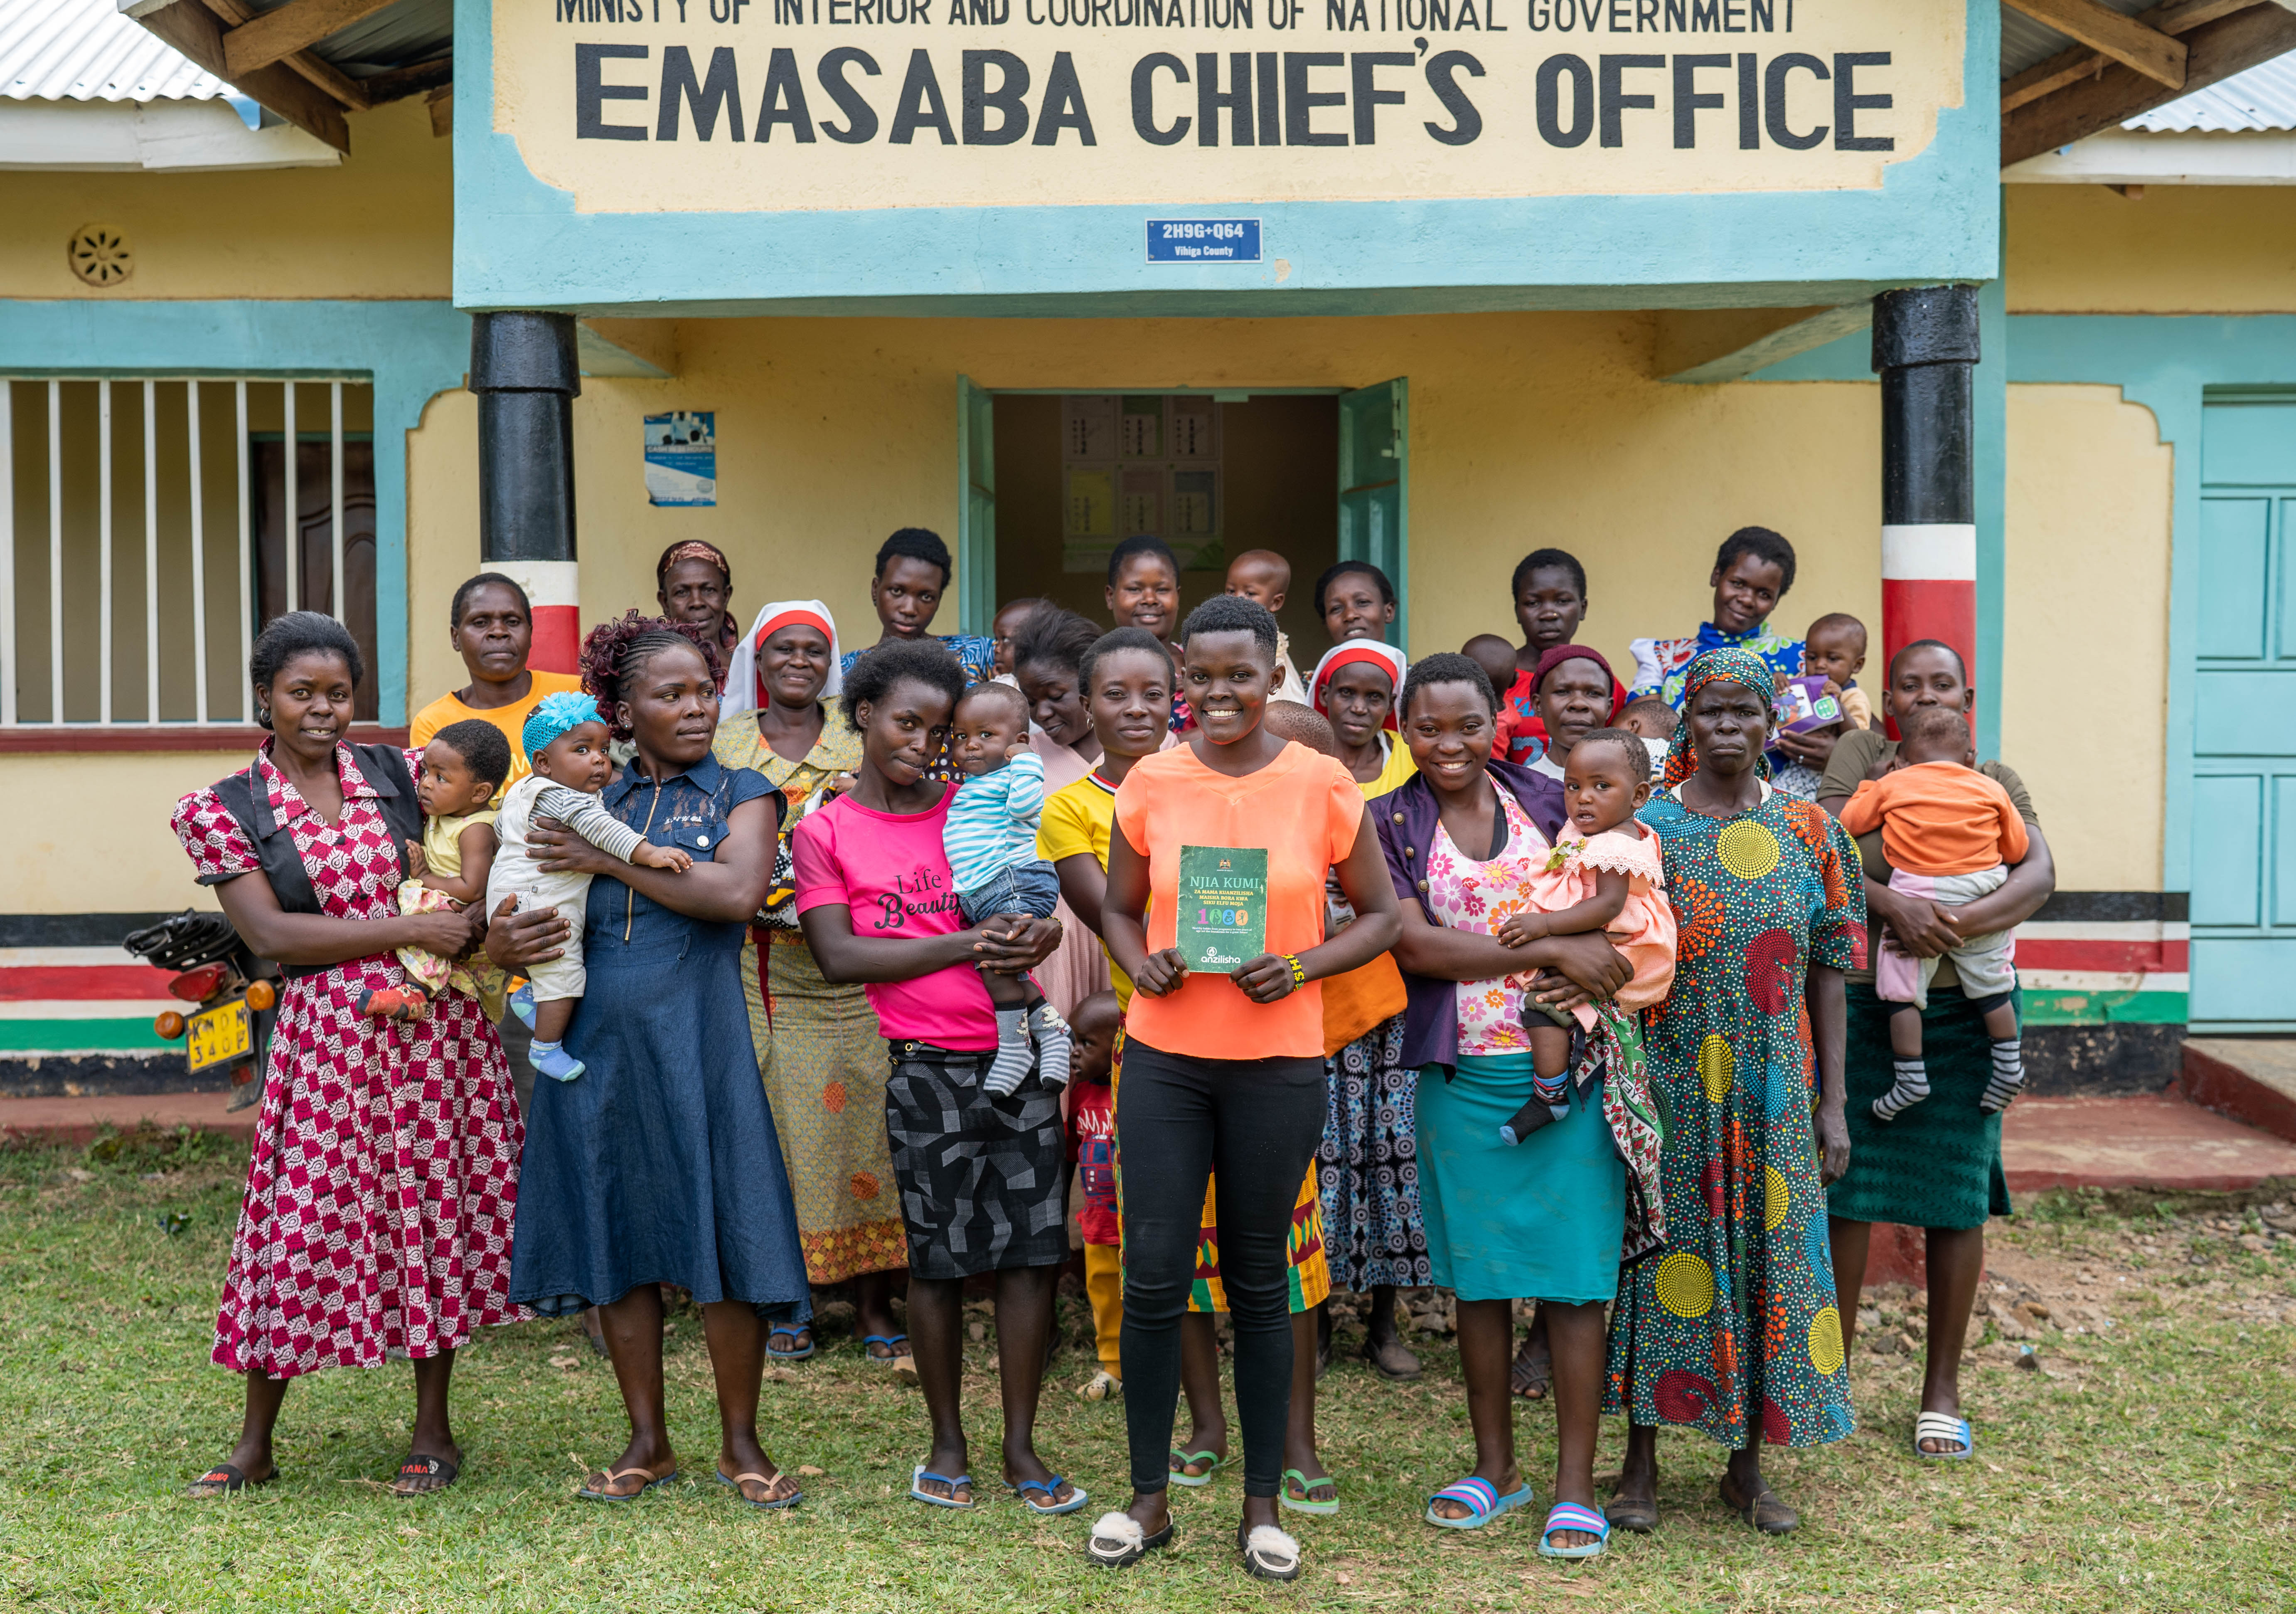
(463,767)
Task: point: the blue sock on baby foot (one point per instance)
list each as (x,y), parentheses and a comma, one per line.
(553,1060)
(521,1004)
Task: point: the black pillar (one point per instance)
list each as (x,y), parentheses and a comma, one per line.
(1925,349)
(524,370)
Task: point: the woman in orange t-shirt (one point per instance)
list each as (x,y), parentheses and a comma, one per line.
(1225,1072)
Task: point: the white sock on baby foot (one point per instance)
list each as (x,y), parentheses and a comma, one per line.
(1911,1087)
(1053,1039)
(1014,1053)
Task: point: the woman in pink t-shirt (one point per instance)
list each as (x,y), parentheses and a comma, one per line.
(990,1193)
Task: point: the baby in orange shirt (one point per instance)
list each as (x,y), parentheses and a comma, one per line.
(1950,834)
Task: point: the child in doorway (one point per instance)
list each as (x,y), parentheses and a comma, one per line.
(1654,720)
(1092,1146)
(1950,834)
(1835,648)
(1265,577)
(990,837)
(463,767)
(566,740)
(1605,875)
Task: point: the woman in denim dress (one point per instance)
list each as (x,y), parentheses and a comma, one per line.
(660,1162)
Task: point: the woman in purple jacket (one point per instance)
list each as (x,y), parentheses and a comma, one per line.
(1546,1219)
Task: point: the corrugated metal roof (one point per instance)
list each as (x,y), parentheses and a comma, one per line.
(85,50)
(2262,98)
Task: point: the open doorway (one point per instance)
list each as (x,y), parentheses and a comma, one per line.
(1210,474)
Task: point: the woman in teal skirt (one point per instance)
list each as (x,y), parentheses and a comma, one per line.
(1547,1219)
(1735,1332)
(1937,1165)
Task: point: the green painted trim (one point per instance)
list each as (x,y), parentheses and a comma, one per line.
(408,351)
(80,1036)
(2106,1008)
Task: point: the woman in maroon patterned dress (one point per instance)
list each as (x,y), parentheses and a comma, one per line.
(378,1210)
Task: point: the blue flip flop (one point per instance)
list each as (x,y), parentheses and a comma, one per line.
(1050,1488)
(893,1340)
(653,1479)
(780,1328)
(1480,1496)
(789,1500)
(1943,1426)
(917,1493)
(1570,1516)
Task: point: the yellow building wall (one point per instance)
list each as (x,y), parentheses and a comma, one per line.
(2087,546)
(1526,430)
(104,846)
(2084,249)
(381,225)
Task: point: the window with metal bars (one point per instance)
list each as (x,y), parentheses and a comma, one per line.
(149,527)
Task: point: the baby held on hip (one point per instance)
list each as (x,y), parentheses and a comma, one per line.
(566,741)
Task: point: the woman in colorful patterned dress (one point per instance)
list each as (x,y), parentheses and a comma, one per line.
(1546,1219)
(1735,1332)
(818,1047)
(377,1216)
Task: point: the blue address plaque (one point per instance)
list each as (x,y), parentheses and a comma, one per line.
(1203,241)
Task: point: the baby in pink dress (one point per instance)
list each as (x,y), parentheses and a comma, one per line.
(1605,875)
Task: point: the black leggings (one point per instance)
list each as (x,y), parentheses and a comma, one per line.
(1258,1122)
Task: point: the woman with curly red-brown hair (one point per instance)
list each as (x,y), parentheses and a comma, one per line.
(659,1163)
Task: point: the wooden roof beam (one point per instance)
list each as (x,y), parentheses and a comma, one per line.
(2230,44)
(2155,54)
(266,37)
(282,87)
(2071,67)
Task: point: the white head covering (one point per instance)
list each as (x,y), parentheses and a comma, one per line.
(741,674)
(1345,653)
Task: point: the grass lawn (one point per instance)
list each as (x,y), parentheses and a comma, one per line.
(2147,1464)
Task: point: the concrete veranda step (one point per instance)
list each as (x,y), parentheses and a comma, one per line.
(2250,1079)
(79,1120)
(2160,1141)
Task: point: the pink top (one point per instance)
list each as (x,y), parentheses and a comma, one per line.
(1481,894)
(1647,920)
(888,868)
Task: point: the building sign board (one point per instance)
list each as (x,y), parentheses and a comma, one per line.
(761,106)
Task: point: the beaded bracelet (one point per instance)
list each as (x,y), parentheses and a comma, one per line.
(1298,970)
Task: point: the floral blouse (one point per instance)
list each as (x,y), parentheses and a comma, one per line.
(1481,894)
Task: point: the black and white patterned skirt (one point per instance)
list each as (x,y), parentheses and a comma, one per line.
(983,1179)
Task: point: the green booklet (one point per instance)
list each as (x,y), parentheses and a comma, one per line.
(1222,906)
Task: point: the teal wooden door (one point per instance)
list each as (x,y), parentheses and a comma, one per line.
(1376,486)
(976,508)
(2244,816)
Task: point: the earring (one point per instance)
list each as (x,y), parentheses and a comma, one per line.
(263,717)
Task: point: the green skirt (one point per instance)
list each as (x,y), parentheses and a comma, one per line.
(1540,1220)
(1938,1164)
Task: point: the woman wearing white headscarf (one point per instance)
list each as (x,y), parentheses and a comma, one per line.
(819,1048)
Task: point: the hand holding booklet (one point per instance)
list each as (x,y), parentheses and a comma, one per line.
(1222,906)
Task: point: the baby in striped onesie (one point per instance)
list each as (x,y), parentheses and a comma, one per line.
(990,838)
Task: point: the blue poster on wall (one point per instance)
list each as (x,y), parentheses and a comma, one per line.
(681,458)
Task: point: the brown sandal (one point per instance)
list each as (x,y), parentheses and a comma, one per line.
(1633,1514)
(772,1482)
(1764,1510)
(595,1487)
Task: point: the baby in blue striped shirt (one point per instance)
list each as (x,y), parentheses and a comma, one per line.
(990,837)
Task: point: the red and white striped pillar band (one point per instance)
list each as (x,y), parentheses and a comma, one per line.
(552,588)
(1929,587)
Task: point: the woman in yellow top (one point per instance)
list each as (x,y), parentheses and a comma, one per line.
(1368,1161)
(1224,1070)
(819,1047)
(491,627)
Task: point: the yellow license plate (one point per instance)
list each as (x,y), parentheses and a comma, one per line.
(220,1034)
